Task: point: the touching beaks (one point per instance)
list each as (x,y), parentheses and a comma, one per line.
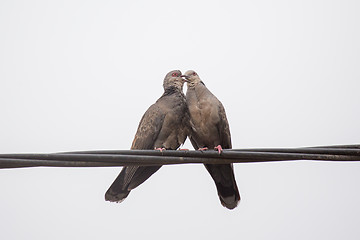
(186,77)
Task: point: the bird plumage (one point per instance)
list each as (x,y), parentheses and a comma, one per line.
(164,125)
(211,128)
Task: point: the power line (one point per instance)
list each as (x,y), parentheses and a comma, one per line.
(110,158)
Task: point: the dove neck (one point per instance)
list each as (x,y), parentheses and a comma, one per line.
(196,84)
(171,90)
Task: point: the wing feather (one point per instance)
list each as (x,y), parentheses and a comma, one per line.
(223,128)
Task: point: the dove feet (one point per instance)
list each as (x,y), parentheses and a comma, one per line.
(203,149)
(160,149)
(219,148)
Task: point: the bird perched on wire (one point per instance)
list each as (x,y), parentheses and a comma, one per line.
(211,131)
(165,125)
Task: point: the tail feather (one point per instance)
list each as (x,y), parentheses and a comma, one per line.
(223,176)
(113,196)
(141,175)
(129,178)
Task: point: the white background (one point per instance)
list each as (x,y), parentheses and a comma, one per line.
(78,75)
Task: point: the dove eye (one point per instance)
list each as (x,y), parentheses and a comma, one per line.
(194,73)
(174,74)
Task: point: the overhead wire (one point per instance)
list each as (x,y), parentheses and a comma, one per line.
(111,158)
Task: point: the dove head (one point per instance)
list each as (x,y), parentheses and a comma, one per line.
(192,78)
(174,80)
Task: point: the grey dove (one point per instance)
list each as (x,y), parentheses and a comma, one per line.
(210,129)
(163,126)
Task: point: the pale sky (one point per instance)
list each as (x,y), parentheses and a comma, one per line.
(78,75)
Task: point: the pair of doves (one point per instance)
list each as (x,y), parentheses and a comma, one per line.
(166,124)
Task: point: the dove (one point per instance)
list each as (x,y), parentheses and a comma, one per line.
(165,125)
(210,130)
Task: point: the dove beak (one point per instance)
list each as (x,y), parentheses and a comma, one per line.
(185,78)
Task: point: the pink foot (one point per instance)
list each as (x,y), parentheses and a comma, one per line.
(160,149)
(183,149)
(219,148)
(203,149)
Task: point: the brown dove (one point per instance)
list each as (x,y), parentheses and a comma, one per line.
(163,126)
(211,130)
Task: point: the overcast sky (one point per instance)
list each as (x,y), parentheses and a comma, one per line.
(78,75)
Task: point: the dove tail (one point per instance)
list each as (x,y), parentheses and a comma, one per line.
(113,196)
(223,176)
(118,190)
(129,178)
